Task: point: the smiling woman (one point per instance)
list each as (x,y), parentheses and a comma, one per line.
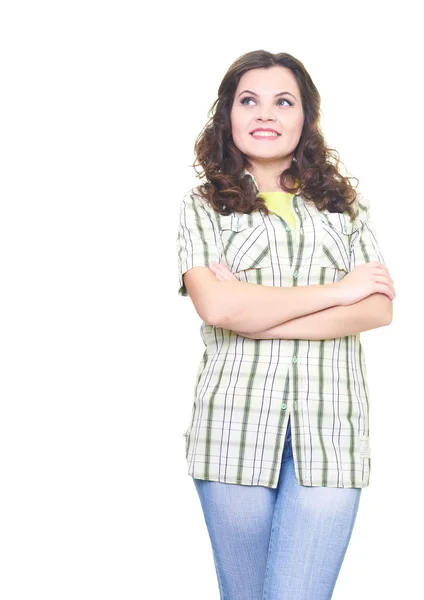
(276,243)
(264,93)
(281,119)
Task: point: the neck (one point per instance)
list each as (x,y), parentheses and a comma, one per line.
(267,177)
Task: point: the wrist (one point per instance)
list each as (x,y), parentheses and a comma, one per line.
(338,294)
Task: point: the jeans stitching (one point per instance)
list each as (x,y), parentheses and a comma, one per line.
(271,537)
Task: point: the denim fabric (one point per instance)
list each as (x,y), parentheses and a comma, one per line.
(284,543)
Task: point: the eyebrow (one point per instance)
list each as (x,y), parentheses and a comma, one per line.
(279,93)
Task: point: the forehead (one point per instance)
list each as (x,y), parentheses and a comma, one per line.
(268,81)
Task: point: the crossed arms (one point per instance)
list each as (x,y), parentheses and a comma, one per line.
(337,321)
(313,312)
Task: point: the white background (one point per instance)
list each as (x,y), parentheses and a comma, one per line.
(101,103)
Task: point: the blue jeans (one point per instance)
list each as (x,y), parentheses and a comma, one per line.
(283,543)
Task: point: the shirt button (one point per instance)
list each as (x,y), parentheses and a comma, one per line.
(284,405)
(295,274)
(294,359)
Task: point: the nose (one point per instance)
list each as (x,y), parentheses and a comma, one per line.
(266,114)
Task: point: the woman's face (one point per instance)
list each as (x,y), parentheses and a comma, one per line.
(267,99)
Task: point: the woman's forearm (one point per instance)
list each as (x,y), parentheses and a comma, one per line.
(330,323)
(234,304)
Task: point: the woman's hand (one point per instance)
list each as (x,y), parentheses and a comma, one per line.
(222,272)
(365,280)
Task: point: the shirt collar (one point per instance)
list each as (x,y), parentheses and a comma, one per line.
(246,172)
(297,201)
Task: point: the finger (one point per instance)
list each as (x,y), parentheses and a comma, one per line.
(379,268)
(376,266)
(223,274)
(226,272)
(387,279)
(229,275)
(217,274)
(221,267)
(385,289)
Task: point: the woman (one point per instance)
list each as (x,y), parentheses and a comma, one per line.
(281,261)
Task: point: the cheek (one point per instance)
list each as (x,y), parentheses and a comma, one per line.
(235,127)
(238,137)
(292,132)
(298,125)
(239,125)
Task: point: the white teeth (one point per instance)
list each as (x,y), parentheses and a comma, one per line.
(264,134)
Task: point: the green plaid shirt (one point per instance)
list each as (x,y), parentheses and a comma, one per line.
(246,389)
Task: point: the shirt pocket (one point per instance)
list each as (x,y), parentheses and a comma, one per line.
(244,240)
(338,233)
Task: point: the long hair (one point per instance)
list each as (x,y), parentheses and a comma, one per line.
(315,170)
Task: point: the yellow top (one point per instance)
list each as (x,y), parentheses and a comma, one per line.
(279,203)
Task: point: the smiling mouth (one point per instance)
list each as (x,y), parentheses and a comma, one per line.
(265,135)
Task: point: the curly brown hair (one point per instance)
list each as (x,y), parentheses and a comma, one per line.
(317,178)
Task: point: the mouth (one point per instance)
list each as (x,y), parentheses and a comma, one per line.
(265,135)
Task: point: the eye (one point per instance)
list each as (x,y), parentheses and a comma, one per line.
(246,98)
(280,99)
(288,101)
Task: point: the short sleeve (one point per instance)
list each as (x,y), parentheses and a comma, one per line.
(197,241)
(364,244)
